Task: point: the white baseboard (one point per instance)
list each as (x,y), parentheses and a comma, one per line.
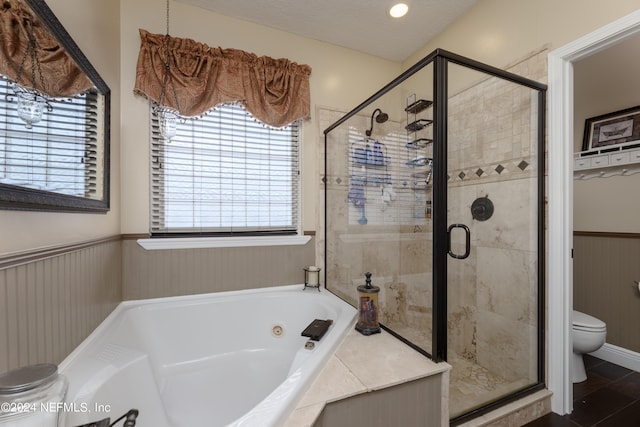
(618,356)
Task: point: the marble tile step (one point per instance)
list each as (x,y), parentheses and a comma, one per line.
(516,413)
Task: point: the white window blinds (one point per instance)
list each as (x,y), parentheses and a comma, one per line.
(59,153)
(225,173)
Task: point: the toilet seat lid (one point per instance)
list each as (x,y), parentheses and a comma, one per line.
(584,321)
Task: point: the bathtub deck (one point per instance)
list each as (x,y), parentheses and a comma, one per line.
(363,364)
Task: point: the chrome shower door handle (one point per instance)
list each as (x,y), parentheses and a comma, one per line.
(467,249)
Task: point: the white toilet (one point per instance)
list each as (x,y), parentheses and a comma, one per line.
(588,334)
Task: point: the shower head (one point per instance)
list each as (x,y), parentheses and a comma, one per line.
(380,118)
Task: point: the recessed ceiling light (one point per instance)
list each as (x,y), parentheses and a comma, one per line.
(399,10)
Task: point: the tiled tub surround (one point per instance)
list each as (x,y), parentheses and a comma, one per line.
(364,365)
(224,359)
(492,312)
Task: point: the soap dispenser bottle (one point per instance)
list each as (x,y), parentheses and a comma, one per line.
(368,308)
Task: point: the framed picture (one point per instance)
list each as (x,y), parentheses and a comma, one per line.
(611,129)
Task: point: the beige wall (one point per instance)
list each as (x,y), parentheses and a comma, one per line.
(494,31)
(605,267)
(341,78)
(499,32)
(604,83)
(95,28)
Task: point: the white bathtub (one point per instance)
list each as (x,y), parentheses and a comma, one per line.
(203,360)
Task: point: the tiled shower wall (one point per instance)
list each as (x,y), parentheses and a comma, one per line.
(52,300)
(394,243)
(493,311)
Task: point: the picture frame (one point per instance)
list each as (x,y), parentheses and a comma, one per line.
(612,129)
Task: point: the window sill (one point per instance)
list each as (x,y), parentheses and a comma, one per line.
(221,242)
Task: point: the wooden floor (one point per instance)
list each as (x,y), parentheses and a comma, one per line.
(610,397)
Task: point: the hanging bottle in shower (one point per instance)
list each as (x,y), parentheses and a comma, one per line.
(368,155)
(378,157)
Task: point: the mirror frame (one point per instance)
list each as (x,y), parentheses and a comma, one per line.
(22,198)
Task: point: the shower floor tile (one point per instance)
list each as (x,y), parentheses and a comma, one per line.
(472,386)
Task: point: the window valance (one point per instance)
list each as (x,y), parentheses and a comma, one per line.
(275,91)
(61,76)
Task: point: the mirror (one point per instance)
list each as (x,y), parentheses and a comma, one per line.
(59,162)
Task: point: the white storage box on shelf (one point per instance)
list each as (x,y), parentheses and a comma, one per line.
(621,159)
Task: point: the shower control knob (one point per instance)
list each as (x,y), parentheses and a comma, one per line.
(482,209)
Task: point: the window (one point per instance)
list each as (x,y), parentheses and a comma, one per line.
(59,153)
(225,173)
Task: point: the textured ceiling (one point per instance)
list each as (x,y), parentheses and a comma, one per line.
(362,25)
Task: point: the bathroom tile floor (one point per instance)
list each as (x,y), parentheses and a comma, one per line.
(610,397)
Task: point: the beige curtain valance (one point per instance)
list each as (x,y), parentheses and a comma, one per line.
(61,76)
(275,91)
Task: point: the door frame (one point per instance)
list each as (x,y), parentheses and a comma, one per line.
(560,193)
(441,225)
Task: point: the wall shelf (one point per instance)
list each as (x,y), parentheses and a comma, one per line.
(418,125)
(623,159)
(418,143)
(419,153)
(418,106)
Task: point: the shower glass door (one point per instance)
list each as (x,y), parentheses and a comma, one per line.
(377,187)
(492,227)
(434,185)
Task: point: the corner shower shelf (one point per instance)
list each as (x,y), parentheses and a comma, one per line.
(420,162)
(419,153)
(623,159)
(419,143)
(418,125)
(417,106)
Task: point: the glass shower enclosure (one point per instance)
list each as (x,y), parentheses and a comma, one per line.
(435,186)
